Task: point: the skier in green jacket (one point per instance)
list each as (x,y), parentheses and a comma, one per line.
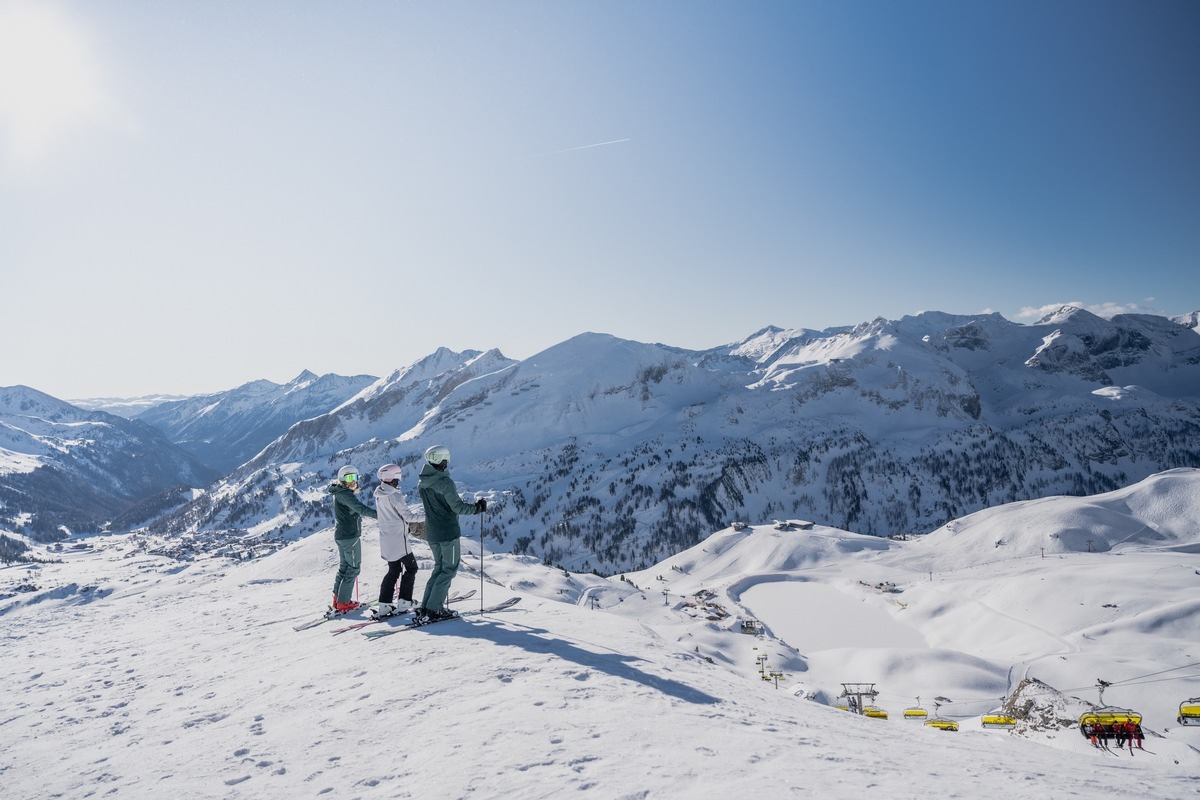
(348,512)
(442,509)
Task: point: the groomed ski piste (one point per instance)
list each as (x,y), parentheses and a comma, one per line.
(127,674)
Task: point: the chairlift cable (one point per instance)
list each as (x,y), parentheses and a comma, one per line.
(1161,680)
(1152,674)
(1136,681)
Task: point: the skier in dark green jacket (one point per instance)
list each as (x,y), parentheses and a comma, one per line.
(348,512)
(442,509)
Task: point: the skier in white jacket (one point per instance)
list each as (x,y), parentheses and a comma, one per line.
(394,546)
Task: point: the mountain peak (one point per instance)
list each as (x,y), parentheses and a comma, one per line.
(1067,313)
(1191,320)
(25,401)
(305,376)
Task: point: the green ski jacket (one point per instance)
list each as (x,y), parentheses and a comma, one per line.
(442,505)
(348,512)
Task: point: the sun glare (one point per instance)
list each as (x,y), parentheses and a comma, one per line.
(49,82)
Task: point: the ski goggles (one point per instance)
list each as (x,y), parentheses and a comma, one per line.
(350,477)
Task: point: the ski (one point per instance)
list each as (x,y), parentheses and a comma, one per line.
(457,598)
(376,634)
(329,614)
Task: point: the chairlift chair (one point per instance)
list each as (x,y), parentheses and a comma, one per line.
(940,722)
(1107,715)
(916,713)
(874,712)
(1189,712)
(997,719)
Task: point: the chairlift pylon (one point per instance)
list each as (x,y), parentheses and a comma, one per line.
(857,695)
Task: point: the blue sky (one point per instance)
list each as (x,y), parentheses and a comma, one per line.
(199,194)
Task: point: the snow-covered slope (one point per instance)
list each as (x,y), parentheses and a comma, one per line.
(62,466)
(609,454)
(137,675)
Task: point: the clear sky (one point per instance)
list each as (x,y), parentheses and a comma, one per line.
(198,194)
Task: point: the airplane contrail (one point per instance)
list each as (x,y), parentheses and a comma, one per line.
(586,146)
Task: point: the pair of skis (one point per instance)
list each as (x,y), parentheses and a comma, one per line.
(1119,750)
(454,598)
(422,622)
(330,614)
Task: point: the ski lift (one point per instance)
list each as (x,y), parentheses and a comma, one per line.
(916,713)
(938,721)
(857,695)
(1106,716)
(1189,712)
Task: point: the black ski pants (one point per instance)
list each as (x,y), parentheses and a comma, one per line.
(387,589)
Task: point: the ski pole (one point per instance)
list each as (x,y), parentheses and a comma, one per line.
(481,563)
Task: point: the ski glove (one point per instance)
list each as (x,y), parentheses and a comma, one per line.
(480,506)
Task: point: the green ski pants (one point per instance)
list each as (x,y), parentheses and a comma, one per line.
(349,565)
(445,566)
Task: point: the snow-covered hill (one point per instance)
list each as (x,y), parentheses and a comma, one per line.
(139,675)
(601,453)
(64,467)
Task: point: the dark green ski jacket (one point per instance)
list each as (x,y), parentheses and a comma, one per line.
(442,505)
(348,512)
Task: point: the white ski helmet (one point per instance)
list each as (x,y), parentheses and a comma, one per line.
(437,454)
(348,472)
(388,472)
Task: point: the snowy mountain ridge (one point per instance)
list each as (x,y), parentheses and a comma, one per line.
(226,429)
(609,454)
(127,407)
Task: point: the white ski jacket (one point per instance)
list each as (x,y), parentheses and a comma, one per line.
(394,519)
